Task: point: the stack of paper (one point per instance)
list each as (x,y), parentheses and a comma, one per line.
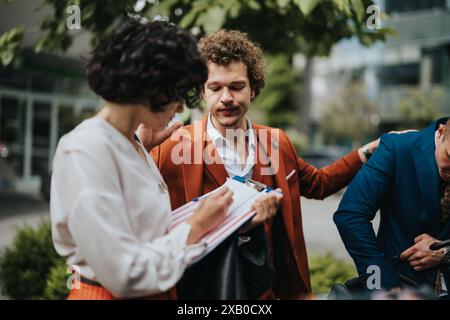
(239,212)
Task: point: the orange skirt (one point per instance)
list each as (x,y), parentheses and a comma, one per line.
(90,291)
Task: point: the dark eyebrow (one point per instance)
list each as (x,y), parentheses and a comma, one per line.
(240,82)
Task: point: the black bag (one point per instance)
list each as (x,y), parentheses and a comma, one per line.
(231,271)
(355,288)
(256,264)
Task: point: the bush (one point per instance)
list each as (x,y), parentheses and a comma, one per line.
(326,270)
(26,265)
(56,287)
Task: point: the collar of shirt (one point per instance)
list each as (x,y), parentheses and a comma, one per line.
(227,152)
(435,138)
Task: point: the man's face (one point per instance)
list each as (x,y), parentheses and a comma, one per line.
(442,154)
(228,95)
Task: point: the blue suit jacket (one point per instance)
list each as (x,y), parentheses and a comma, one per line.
(402,180)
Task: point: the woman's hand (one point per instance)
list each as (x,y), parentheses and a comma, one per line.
(266,207)
(210,212)
(151,138)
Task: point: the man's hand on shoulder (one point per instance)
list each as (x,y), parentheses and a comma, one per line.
(366,151)
(151,138)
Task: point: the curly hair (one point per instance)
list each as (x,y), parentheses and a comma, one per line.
(150,63)
(226,46)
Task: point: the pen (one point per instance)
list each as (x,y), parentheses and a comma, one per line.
(199,198)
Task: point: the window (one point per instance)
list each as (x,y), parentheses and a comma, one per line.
(12,124)
(408,74)
(413,5)
(41,138)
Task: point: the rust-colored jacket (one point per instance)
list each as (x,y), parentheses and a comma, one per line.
(185,179)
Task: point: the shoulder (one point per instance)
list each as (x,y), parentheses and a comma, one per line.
(276,135)
(90,136)
(400,141)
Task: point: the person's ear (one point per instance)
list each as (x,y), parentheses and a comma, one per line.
(202,93)
(441,132)
(252,95)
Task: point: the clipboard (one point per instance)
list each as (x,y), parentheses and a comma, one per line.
(245,192)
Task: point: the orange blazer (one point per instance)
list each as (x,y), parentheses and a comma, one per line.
(184,178)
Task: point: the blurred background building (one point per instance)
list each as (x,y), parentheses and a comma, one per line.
(39,101)
(406,79)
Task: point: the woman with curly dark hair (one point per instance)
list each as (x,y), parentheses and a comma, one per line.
(110,209)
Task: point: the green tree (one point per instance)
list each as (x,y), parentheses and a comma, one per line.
(310,27)
(420,107)
(348,117)
(276,99)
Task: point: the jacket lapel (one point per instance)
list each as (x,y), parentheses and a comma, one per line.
(194,145)
(262,160)
(269,153)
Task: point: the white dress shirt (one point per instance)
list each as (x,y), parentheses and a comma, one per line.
(110,214)
(228,153)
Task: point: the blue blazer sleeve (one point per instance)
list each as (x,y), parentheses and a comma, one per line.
(361,201)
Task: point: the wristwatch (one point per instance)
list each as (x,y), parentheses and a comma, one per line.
(367,153)
(446,256)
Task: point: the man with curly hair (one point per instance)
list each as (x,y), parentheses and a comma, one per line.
(267,257)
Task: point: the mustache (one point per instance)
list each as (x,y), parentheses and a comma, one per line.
(228,108)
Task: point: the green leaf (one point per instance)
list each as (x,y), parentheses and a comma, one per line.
(10,44)
(161,8)
(283,3)
(307,6)
(192,15)
(358,7)
(40,44)
(232,8)
(212,20)
(254,5)
(341,4)
(390,32)
(7,57)
(234,11)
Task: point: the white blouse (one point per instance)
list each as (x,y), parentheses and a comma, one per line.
(110,214)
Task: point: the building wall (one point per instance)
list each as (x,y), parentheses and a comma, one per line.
(414,63)
(43,98)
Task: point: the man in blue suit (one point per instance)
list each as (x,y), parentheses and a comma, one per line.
(408,180)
